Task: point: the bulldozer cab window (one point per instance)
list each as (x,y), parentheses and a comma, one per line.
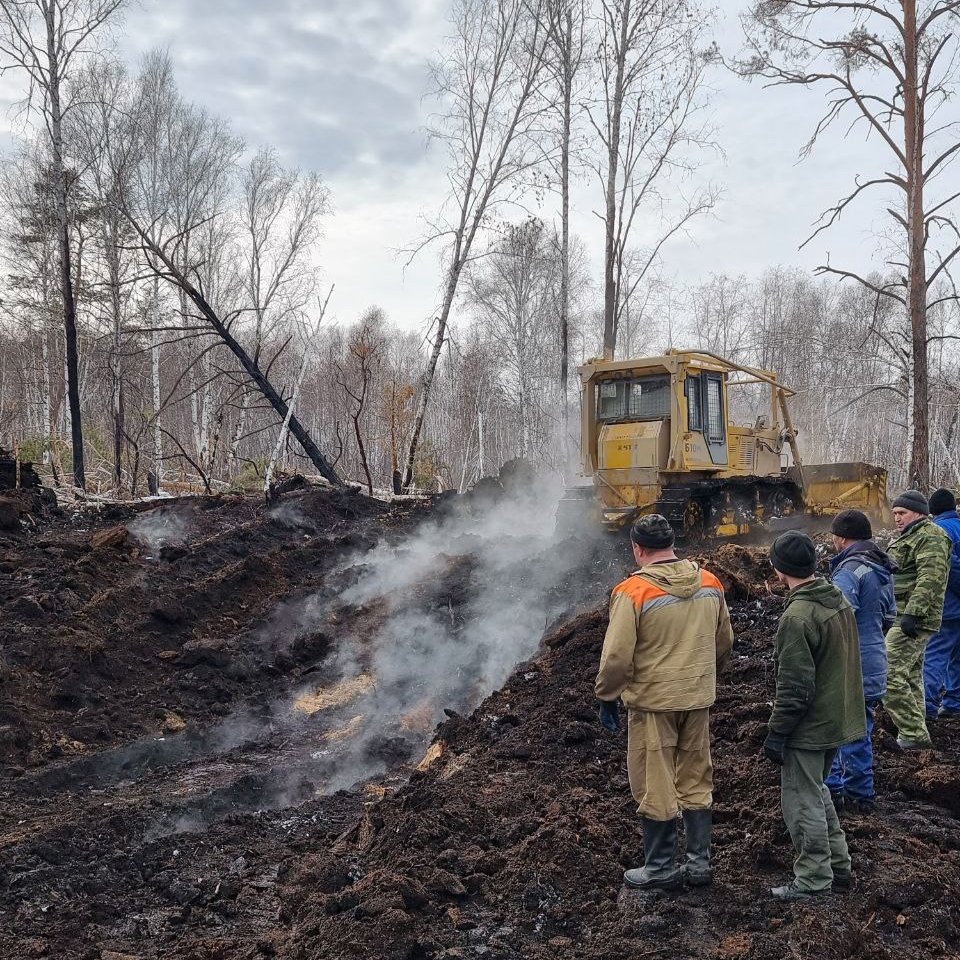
(640,398)
(716,429)
(694,404)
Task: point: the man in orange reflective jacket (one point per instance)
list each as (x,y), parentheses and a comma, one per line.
(669,635)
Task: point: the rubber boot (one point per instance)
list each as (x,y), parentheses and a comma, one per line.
(659,870)
(698,825)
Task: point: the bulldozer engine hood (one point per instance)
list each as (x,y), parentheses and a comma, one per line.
(679,578)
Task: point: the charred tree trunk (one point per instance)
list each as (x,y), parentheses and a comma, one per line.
(63,239)
(323,466)
(565,230)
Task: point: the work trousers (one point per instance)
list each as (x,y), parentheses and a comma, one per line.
(941,669)
(811,819)
(905,700)
(668,761)
(852,772)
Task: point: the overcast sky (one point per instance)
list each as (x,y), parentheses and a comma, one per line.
(338,86)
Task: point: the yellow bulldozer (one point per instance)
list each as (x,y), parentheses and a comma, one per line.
(657,437)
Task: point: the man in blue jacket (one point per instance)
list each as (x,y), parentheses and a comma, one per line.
(864,573)
(941,662)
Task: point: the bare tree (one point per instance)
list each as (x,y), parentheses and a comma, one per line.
(566,22)
(308,349)
(489,86)
(891,68)
(650,66)
(47,39)
(91,129)
(280,225)
(364,354)
(512,291)
(281,216)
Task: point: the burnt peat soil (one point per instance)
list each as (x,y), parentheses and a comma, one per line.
(206,755)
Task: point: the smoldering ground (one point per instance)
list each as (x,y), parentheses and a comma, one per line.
(435,622)
(421,624)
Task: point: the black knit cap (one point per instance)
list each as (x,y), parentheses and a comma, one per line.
(652,531)
(851,525)
(941,501)
(794,554)
(912,500)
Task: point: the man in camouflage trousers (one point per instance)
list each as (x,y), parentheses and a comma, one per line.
(922,553)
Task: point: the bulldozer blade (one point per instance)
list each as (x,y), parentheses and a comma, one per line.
(832,487)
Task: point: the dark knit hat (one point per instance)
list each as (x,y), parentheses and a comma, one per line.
(941,501)
(912,500)
(794,554)
(653,532)
(851,525)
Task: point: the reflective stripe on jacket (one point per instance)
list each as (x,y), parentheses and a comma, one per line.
(669,633)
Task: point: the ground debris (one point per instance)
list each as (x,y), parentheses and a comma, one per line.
(156,804)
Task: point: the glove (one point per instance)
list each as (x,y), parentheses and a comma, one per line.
(910,625)
(610,715)
(773,748)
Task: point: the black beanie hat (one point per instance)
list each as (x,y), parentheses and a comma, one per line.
(912,500)
(794,554)
(851,525)
(652,531)
(941,501)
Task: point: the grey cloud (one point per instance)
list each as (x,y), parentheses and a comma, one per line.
(317,80)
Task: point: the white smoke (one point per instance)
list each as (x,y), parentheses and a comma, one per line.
(159,528)
(439,619)
(289,516)
(428,621)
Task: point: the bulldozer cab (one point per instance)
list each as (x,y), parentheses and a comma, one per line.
(658,434)
(672,414)
(640,397)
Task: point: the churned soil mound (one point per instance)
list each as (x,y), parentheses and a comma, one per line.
(124,621)
(506,840)
(511,843)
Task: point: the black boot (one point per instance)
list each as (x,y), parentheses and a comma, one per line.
(698,825)
(659,870)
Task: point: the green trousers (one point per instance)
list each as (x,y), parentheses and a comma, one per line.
(905,701)
(811,819)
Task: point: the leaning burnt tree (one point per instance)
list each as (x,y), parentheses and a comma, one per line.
(47,40)
(890,68)
(178,164)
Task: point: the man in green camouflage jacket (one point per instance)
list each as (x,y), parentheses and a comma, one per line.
(922,552)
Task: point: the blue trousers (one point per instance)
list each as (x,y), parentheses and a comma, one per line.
(941,669)
(852,770)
